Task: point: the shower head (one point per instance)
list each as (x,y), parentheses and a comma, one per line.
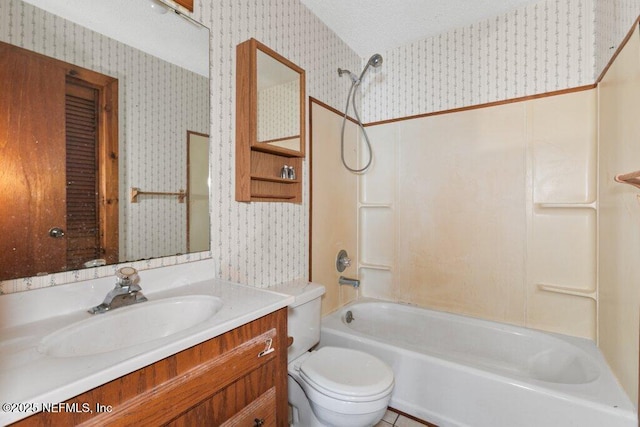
(375,61)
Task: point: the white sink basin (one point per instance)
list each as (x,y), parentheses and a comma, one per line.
(129,326)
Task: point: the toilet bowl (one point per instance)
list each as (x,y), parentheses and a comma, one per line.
(338,387)
(330,386)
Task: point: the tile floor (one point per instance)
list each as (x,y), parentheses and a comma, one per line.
(393,419)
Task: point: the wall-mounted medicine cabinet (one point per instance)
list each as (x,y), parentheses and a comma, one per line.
(270,125)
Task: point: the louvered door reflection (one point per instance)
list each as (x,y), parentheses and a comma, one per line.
(83,222)
(58,165)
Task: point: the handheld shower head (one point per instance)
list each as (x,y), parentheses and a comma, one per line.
(375,61)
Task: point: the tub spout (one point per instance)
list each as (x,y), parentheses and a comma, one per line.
(347,281)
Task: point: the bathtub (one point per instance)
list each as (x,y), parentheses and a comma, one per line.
(454,370)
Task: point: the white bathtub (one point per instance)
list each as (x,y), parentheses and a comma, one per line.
(454,370)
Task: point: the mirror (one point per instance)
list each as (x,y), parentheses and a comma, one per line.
(278,103)
(280,98)
(159,66)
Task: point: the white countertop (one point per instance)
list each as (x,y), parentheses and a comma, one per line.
(30,377)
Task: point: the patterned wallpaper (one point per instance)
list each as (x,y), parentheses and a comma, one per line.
(534,49)
(613,21)
(546,46)
(542,47)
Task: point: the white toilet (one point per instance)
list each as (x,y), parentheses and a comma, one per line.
(331,386)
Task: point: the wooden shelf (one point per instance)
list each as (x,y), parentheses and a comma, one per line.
(271,196)
(275,179)
(259,180)
(266,148)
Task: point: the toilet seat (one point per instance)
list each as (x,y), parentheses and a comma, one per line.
(347,375)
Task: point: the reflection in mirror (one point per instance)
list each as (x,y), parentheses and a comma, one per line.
(198,184)
(161,100)
(278,103)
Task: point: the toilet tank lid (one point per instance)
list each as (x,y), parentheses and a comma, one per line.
(302,290)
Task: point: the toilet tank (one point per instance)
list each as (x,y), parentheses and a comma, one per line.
(303,322)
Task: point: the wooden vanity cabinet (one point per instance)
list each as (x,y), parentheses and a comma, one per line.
(225,381)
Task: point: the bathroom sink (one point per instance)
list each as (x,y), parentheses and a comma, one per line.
(129,326)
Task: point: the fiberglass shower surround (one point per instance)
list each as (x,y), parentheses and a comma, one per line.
(375,61)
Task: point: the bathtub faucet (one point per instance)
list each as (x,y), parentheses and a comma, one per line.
(347,281)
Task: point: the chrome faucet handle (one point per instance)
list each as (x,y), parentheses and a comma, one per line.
(126,276)
(342,261)
(126,292)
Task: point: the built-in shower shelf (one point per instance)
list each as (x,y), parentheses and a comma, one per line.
(576,292)
(589,205)
(376,266)
(375,206)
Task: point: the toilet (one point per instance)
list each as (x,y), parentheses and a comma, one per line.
(330,386)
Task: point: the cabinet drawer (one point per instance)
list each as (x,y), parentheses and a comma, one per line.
(259,413)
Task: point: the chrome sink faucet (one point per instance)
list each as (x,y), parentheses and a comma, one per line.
(126,292)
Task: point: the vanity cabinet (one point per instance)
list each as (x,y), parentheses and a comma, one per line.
(229,380)
(270,125)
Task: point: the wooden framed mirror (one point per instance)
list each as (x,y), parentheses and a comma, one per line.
(270,125)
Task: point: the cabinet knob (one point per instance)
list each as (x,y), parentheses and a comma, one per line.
(259,422)
(56,232)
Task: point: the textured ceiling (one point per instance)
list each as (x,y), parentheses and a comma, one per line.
(371,26)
